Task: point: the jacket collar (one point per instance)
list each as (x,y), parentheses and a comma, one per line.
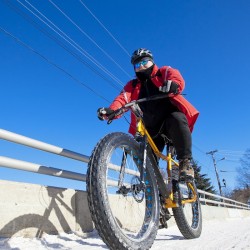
(155,71)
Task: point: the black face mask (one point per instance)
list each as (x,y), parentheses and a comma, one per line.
(145,74)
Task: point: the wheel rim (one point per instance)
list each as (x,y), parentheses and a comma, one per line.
(131,202)
(191,210)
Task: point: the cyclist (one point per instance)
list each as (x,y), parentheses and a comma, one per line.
(173,116)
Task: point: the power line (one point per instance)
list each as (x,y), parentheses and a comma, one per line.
(102,25)
(91,39)
(49,61)
(203,152)
(198,148)
(63,32)
(235,151)
(60,43)
(230,153)
(235,161)
(58,67)
(52,63)
(64,36)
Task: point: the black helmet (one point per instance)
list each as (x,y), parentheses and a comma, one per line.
(140,53)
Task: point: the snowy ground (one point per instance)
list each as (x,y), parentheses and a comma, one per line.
(216,235)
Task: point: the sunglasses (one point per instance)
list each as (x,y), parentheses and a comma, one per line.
(138,65)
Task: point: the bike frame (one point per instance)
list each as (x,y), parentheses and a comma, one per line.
(169,202)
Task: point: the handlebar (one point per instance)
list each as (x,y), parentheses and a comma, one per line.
(134,103)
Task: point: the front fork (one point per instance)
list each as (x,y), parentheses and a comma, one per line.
(122,169)
(141,161)
(143,152)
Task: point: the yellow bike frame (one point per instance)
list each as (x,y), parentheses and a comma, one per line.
(169,202)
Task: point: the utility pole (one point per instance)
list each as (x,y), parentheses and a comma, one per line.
(215,167)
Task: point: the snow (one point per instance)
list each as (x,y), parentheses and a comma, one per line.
(216,235)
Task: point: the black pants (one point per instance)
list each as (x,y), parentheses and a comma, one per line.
(175,127)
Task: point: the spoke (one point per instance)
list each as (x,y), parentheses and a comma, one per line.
(127,171)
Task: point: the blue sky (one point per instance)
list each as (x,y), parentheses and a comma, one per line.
(208,41)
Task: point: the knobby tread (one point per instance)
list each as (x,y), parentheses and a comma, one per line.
(105,223)
(188,231)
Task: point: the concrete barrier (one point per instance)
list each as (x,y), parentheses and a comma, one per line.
(30,210)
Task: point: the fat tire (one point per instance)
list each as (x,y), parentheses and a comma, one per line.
(189,231)
(101,213)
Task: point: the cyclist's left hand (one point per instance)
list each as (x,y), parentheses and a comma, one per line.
(169,87)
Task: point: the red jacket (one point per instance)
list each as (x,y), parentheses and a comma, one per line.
(158,76)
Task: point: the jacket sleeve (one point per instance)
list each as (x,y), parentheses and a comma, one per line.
(169,73)
(175,75)
(123,98)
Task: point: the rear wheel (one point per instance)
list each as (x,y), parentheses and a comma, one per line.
(188,216)
(125,210)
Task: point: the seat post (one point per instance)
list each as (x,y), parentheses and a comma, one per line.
(168,143)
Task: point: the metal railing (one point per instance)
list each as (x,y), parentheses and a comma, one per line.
(36,168)
(32,167)
(220,200)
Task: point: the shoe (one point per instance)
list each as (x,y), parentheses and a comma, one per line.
(186,171)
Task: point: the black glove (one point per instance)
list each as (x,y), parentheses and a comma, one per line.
(104,113)
(169,87)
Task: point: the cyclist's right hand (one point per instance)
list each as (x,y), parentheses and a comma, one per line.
(104,113)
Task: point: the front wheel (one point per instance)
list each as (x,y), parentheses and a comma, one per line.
(123,199)
(188,215)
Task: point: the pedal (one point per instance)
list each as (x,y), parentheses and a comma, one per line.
(163,225)
(164,215)
(163,221)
